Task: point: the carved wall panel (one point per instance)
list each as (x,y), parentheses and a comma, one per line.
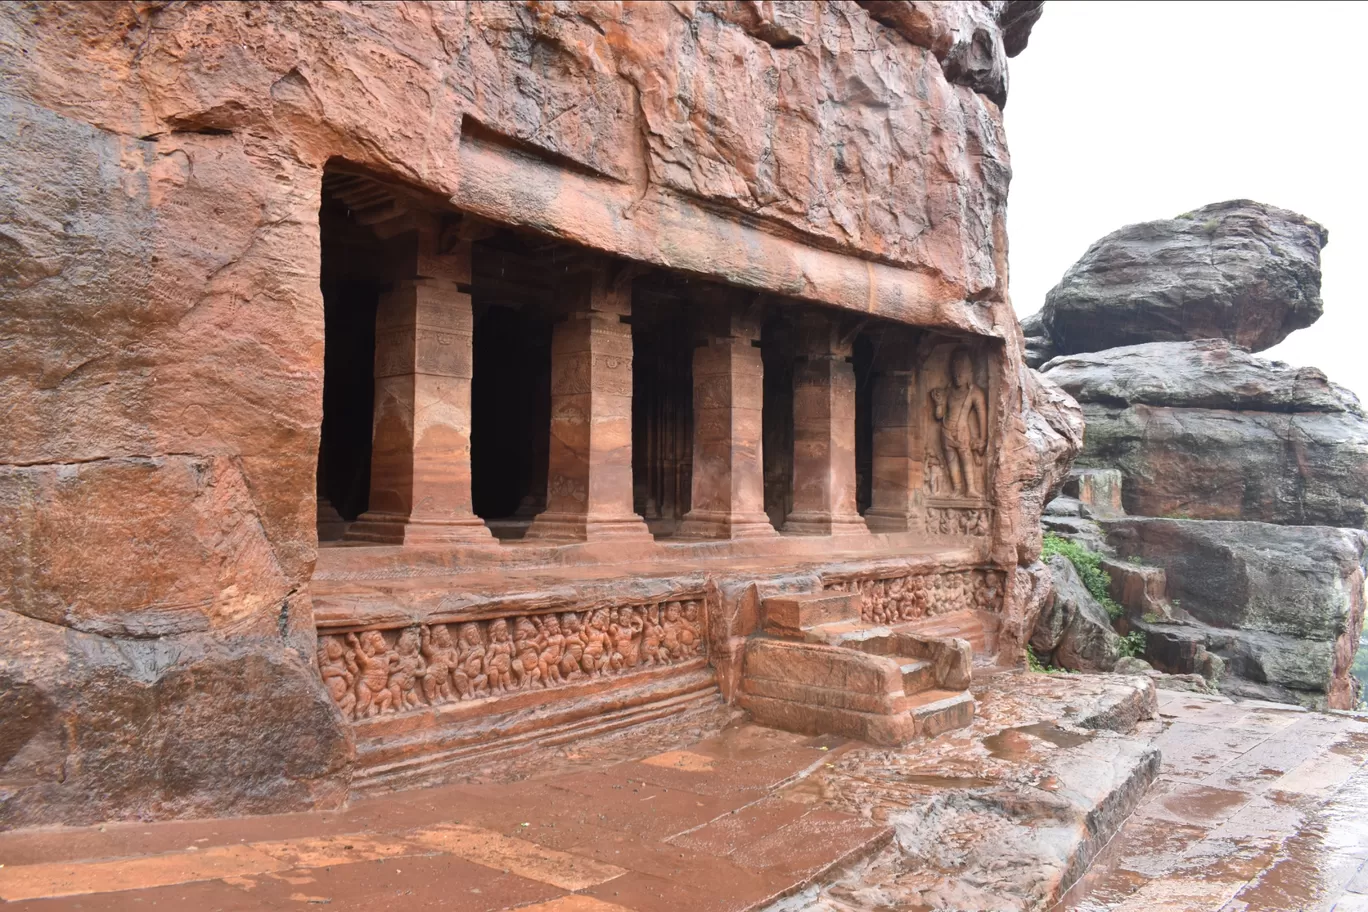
(390,671)
(956,380)
(958,520)
(896,599)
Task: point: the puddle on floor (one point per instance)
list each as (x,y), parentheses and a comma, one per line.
(1015,743)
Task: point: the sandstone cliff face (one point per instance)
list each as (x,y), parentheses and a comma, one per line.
(1237,270)
(163,323)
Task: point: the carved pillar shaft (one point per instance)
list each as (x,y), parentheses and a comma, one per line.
(420,445)
(728,481)
(589,472)
(824,495)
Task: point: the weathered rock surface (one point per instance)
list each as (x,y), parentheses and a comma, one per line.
(1204,430)
(1208,373)
(1048,438)
(1039,348)
(972,41)
(1237,270)
(1282,606)
(1074,631)
(95,727)
(1003,815)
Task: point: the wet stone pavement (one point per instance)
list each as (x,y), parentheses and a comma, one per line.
(1256,807)
(1259,808)
(695,829)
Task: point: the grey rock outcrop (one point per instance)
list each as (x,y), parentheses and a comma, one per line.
(1205,430)
(1237,270)
(1039,348)
(1074,631)
(1282,607)
(1209,373)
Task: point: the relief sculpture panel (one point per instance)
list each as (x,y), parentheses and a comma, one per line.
(379,672)
(957,430)
(959,407)
(892,600)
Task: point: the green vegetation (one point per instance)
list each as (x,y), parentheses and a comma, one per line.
(1034,664)
(1133,644)
(1089,567)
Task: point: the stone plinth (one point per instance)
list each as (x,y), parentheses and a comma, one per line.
(420,449)
(824,495)
(728,473)
(589,466)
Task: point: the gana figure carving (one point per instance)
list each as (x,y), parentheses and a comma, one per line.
(374,675)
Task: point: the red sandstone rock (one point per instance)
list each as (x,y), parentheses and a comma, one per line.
(164,340)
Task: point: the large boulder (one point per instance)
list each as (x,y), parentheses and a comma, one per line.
(1237,270)
(1073,631)
(1204,430)
(1281,605)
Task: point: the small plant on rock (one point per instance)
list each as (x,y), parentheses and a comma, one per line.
(1133,645)
(1089,566)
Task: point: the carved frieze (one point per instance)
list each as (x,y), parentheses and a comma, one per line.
(892,600)
(391,671)
(957,520)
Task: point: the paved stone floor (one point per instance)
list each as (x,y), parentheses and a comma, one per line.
(695,829)
(1259,808)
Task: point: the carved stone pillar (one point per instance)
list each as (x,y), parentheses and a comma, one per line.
(589,463)
(895,501)
(824,495)
(728,390)
(420,445)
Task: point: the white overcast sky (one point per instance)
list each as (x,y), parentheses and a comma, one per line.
(1125,112)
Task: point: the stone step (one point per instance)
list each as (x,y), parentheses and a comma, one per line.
(938,711)
(917,676)
(966,625)
(791,615)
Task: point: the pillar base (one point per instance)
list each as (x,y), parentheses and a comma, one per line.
(699,524)
(893,522)
(331,525)
(393,529)
(825,524)
(578,527)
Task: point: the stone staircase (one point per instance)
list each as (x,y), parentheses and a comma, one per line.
(816,669)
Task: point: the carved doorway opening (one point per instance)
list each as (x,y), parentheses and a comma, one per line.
(511,385)
(777,350)
(863,358)
(662,400)
(351,279)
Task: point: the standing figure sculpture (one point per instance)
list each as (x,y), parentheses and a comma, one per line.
(374,661)
(962,410)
